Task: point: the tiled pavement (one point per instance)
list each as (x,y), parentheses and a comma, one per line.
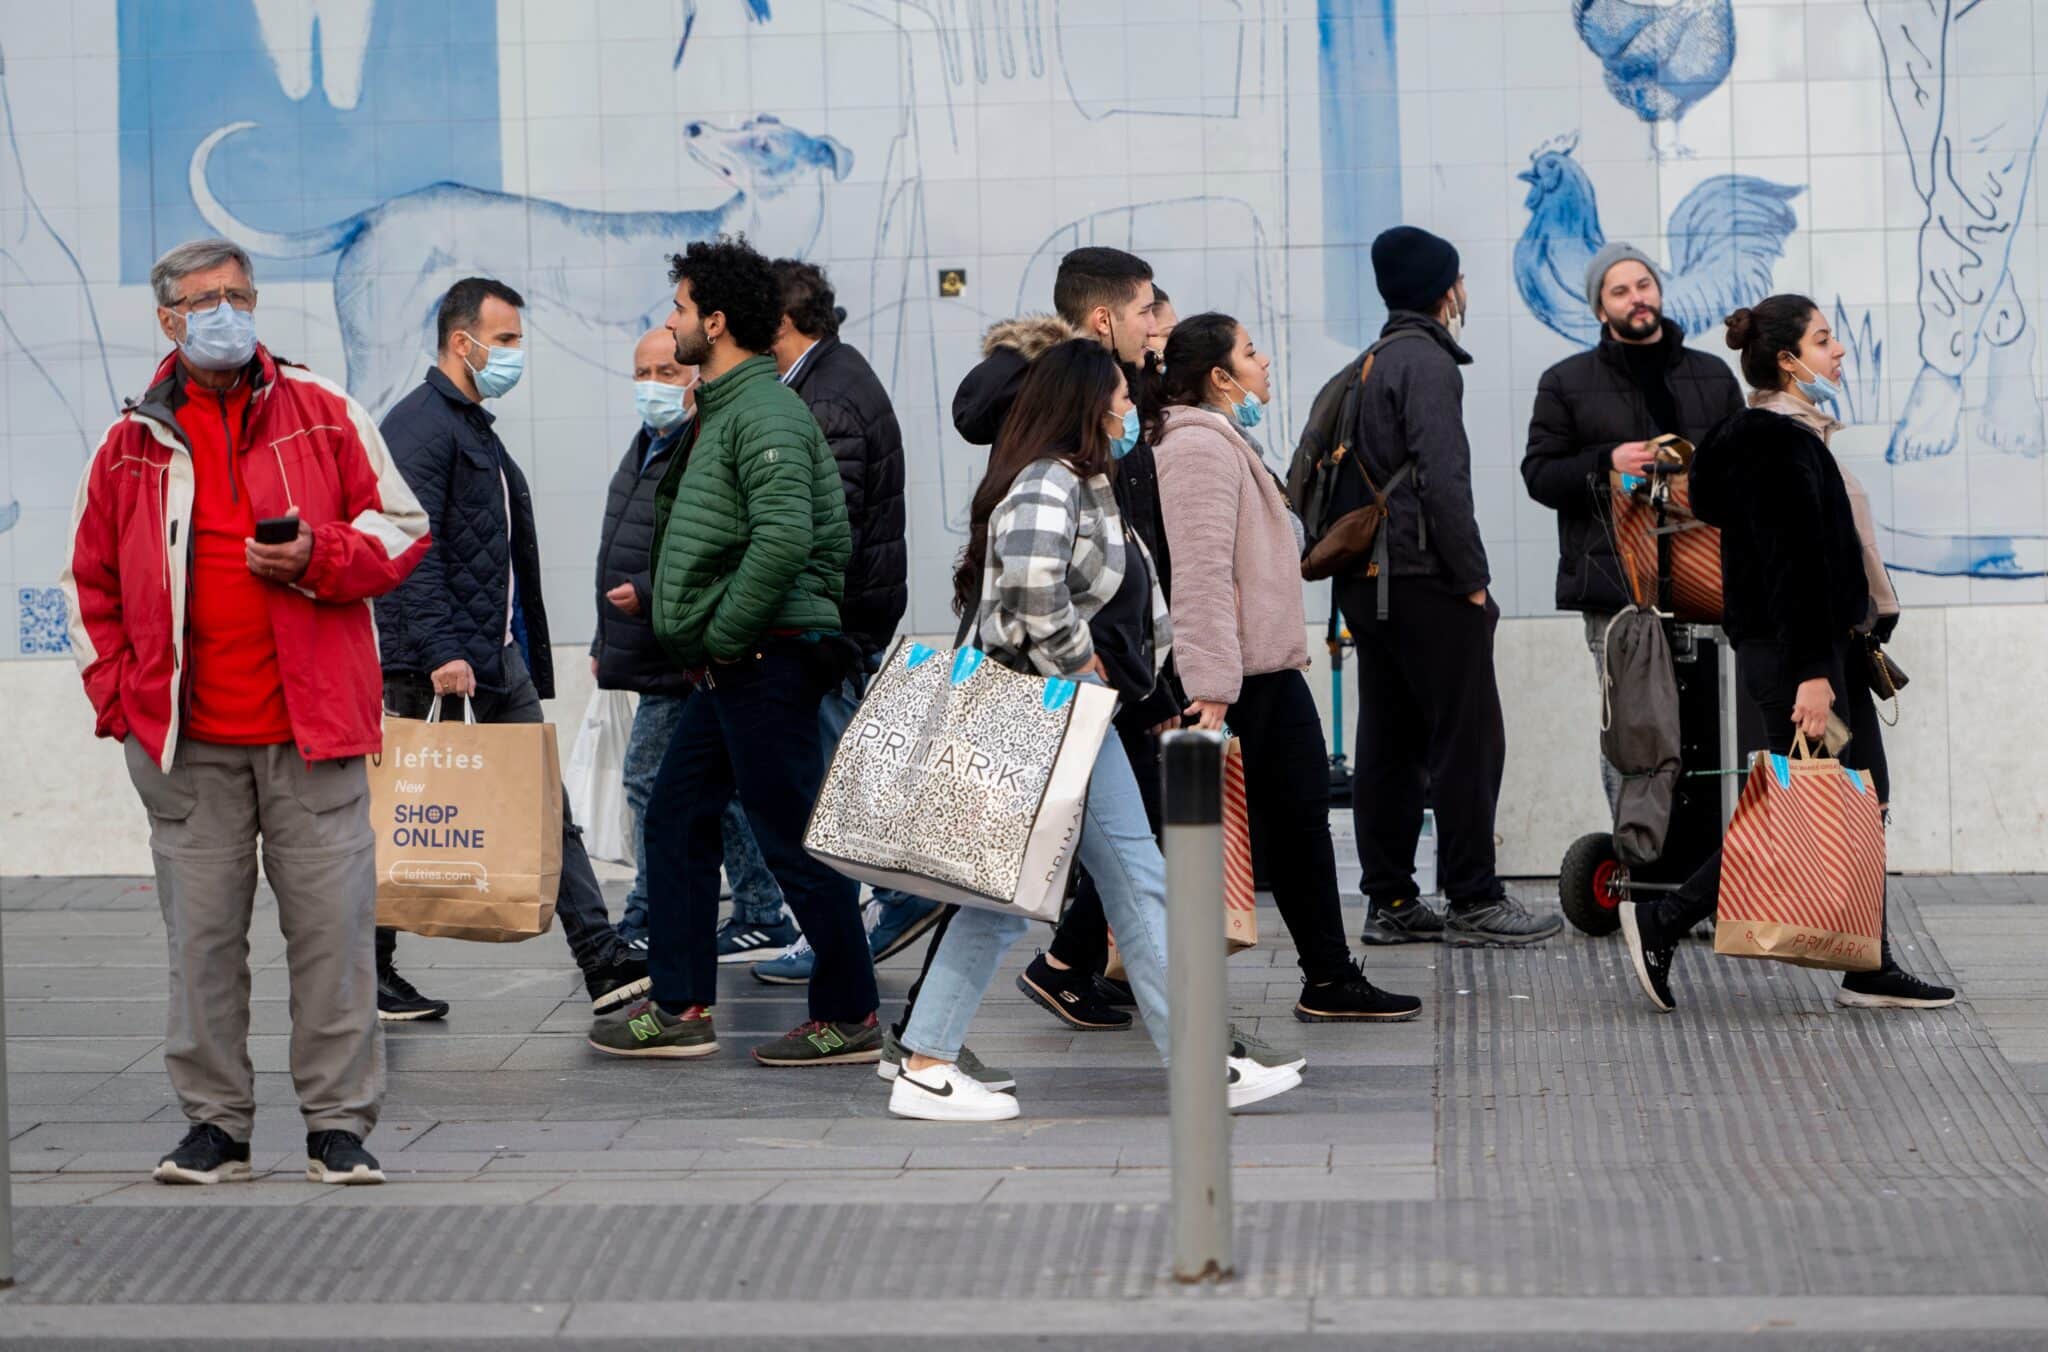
(1539,1159)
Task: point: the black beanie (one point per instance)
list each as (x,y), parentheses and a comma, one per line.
(1413,268)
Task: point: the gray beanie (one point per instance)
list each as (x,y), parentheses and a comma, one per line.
(1617,252)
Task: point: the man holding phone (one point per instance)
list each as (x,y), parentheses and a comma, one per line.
(227,533)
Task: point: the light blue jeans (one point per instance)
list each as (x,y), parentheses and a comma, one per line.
(1120,854)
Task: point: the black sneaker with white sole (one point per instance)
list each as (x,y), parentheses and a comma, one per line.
(399,1002)
(339,1157)
(1502,922)
(206,1155)
(618,982)
(1891,988)
(1653,940)
(1071,996)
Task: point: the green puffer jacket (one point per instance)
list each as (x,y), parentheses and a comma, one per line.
(749,523)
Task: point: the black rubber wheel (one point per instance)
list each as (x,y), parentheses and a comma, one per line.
(1591,883)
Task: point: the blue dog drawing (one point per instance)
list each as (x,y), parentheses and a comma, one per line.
(398,258)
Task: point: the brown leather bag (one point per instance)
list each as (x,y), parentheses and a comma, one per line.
(1356,534)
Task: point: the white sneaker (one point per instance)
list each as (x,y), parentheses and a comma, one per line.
(1252,1083)
(943,1094)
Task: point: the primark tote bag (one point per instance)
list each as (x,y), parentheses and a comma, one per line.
(961,780)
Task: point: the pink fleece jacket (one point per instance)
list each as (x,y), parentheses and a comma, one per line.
(1236,569)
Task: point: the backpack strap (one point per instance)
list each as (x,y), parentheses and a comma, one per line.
(1381,567)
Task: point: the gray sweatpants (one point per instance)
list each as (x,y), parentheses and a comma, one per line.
(320,856)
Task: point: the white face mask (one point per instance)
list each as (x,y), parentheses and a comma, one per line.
(1456,322)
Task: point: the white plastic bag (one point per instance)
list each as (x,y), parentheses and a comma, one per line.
(596,776)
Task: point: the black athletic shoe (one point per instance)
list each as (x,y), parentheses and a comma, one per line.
(1652,944)
(339,1157)
(1114,992)
(1354,1000)
(1891,988)
(206,1155)
(1504,922)
(1403,922)
(1070,997)
(399,1002)
(618,982)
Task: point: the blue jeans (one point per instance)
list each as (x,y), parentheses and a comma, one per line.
(755,897)
(1120,854)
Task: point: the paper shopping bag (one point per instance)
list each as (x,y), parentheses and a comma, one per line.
(596,777)
(469,828)
(1658,508)
(961,780)
(1240,897)
(1802,867)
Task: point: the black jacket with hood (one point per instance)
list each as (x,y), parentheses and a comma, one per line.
(1586,405)
(859,424)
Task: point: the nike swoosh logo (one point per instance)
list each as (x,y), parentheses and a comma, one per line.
(940,1091)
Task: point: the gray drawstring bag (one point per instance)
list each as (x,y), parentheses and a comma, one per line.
(1639,732)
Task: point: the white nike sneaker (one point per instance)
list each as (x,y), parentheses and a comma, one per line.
(1252,1083)
(944,1093)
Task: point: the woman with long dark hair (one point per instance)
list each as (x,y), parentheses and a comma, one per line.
(1047,558)
(1797,601)
(1240,639)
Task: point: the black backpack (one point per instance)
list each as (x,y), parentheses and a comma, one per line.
(1318,492)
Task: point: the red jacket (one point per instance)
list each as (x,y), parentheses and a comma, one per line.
(309,447)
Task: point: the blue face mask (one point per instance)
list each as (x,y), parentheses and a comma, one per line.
(1121,446)
(501,370)
(220,339)
(1250,411)
(659,404)
(1819,388)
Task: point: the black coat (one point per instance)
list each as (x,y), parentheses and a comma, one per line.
(628,655)
(453,604)
(854,412)
(1586,405)
(1413,408)
(1791,560)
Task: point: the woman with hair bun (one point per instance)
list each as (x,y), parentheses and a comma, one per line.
(1798,601)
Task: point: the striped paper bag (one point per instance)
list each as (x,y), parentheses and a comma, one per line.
(1802,868)
(1639,506)
(1240,897)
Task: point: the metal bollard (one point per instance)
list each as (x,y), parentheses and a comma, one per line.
(6,1162)
(1191,771)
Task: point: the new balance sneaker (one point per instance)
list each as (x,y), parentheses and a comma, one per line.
(1504,922)
(744,941)
(206,1155)
(819,1043)
(791,969)
(339,1157)
(988,1077)
(1071,996)
(646,1029)
(1652,943)
(1245,1047)
(1891,988)
(1354,1000)
(1402,922)
(399,1002)
(618,982)
(945,1093)
(1249,1082)
(898,922)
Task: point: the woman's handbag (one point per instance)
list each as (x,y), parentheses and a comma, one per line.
(1886,677)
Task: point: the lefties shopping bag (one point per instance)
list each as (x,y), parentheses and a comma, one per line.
(1802,868)
(961,780)
(469,827)
(596,777)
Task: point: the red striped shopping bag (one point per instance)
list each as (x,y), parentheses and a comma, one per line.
(1802,868)
(1240,899)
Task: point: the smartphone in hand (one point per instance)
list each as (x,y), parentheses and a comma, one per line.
(277,530)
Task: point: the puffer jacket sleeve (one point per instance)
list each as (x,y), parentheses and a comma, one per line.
(1557,468)
(1201,479)
(424,452)
(772,467)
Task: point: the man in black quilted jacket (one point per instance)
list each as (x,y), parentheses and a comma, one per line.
(469,622)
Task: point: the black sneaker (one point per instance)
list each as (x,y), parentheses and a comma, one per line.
(1652,944)
(339,1157)
(1070,996)
(1114,992)
(1504,921)
(1891,988)
(399,1002)
(1403,922)
(619,981)
(206,1155)
(1354,1000)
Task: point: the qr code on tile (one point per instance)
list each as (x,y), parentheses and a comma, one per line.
(44,622)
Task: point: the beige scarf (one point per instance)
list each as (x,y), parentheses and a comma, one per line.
(1884,600)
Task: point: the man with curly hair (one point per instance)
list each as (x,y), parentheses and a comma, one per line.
(751,547)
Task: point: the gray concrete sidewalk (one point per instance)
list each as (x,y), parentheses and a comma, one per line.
(1540,1159)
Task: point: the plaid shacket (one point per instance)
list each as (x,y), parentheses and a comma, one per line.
(1055,557)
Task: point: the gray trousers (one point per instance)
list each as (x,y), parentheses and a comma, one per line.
(205,819)
(1596,642)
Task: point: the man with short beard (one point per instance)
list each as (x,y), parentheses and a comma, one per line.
(1599,410)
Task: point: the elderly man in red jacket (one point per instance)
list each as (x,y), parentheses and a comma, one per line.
(237,664)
